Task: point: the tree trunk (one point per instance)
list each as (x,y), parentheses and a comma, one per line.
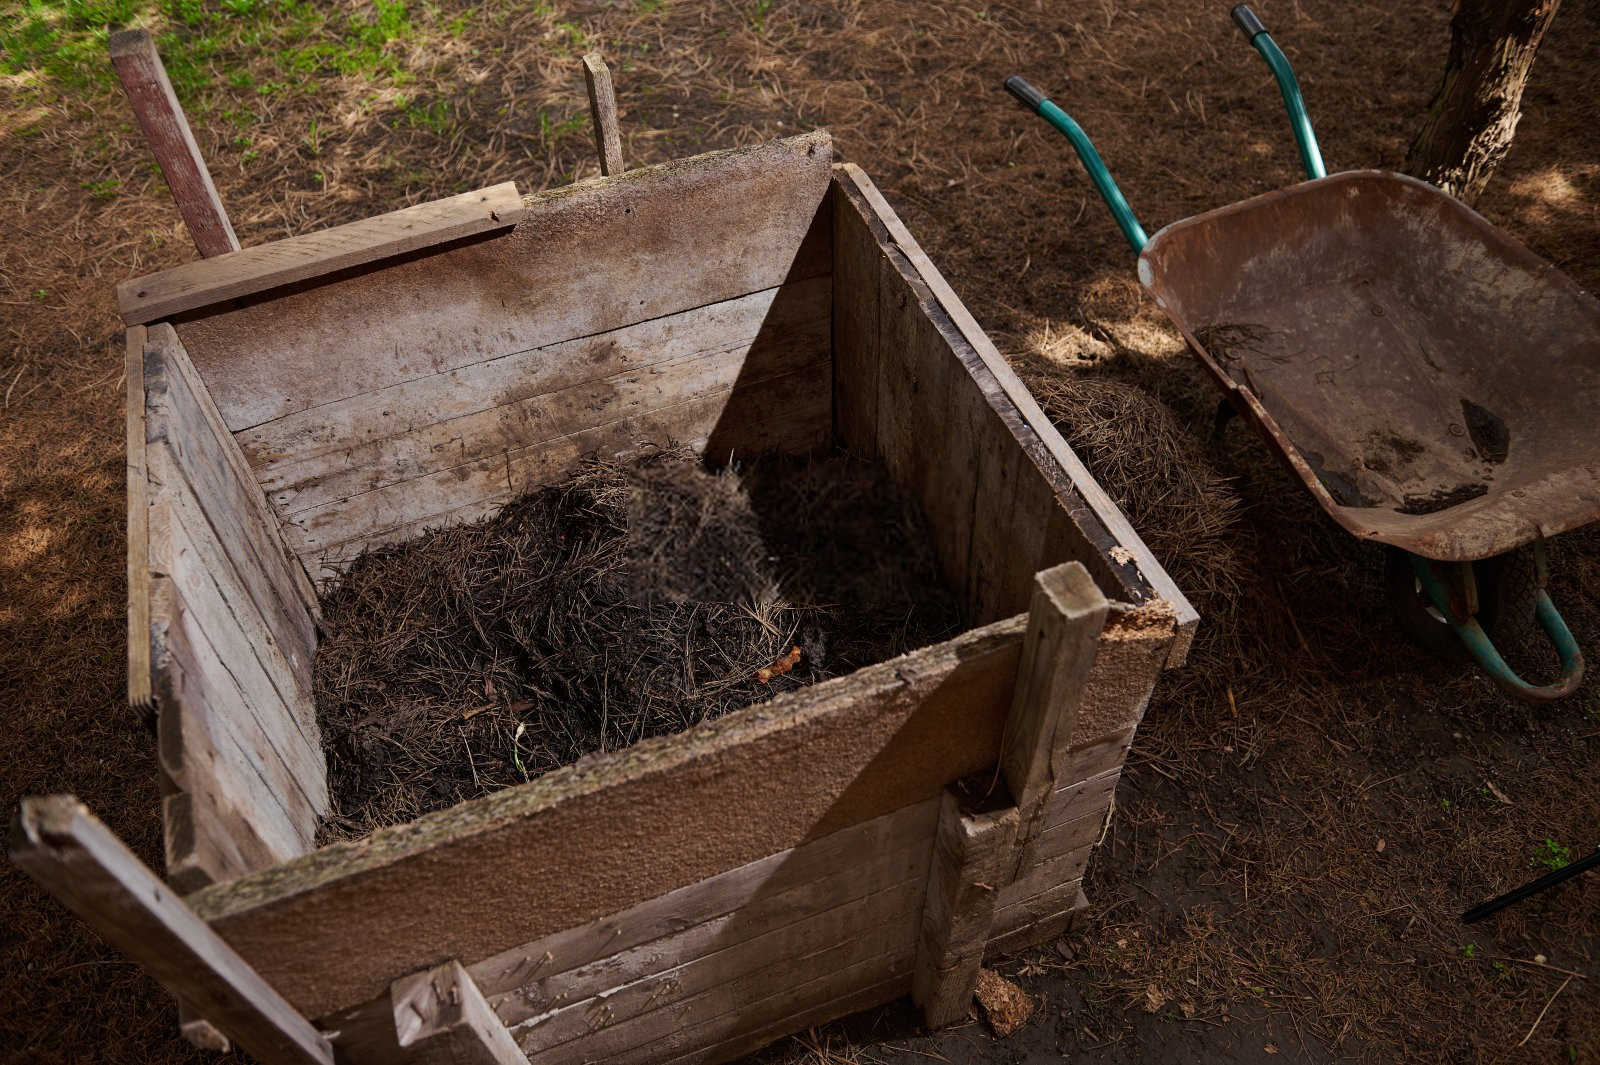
(1475,110)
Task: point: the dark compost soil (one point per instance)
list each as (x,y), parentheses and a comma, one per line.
(636,599)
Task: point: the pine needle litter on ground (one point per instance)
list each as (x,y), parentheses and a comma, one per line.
(637,599)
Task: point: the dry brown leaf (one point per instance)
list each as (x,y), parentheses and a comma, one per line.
(1154,999)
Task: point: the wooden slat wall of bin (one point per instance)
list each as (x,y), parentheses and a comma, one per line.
(671,302)
(693,897)
(230,639)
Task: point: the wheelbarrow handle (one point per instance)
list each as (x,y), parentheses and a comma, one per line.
(1248,23)
(1304,136)
(1036,101)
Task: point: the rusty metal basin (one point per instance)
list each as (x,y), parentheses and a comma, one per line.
(1434,383)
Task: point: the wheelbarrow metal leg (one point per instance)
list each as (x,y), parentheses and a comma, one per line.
(1460,610)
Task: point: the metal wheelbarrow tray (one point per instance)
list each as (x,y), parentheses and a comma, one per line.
(1432,381)
(1428,378)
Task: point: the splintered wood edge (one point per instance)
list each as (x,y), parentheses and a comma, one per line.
(294,259)
(1104,508)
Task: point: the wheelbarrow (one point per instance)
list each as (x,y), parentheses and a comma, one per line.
(1435,384)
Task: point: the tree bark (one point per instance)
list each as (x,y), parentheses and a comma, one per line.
(1474,113)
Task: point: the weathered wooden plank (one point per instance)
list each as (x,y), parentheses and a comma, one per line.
(166,131)
(790,896)
(212,745)
(707,917)
(603,113)
(283,711)
(664,238)
(186,550)
(757,324)
(421,427)
(774,413)
(1085,759)
(856,306)
(756,895)
(265,267)
(1097,515)
(1064,626)
(971,853)
(205,842)
(753,1001)
(78,860)
(472,881)
(181,412)
(806,1013)
(1058,651)
(1082,798)
(1039,920)
(1046,875)
(139,685)
(441,1018)
(631,1011)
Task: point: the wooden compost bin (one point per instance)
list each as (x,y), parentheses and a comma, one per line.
(690,898)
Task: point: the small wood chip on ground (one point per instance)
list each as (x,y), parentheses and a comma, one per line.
(1006,1006)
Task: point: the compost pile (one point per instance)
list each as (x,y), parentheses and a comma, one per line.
(635,600)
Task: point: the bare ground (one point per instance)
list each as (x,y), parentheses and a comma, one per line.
(1310,804)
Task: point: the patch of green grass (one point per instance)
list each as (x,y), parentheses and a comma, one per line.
(759,13)
(435,116)
(1469,951)
(207,44)
(1552,855)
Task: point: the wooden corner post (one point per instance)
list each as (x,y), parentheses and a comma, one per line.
(1064,625)
(603,109)
(971,853)
(166,130)
(59,843)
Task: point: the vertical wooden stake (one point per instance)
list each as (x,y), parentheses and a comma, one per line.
(441,1018)
(970,853)
(78,860)
(1064,624)
(166,130)
(603,109)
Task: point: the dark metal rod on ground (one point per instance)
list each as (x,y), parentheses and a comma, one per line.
(1533,887)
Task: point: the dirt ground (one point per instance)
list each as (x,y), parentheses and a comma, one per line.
(1310,804)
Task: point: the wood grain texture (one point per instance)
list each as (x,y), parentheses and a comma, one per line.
(777,413)
(78,860)
(441,1018)
(971,853)
(479,878)
(738,376)
(856,257)
(1099,518)
(1058,652)
(871,933)
(1000,508)
(166,131)
(603,113)
(232,479)
(1038,921)
(718,927)
(687,940)
(665,238)
(231,641)
(260,269)
(140,689)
